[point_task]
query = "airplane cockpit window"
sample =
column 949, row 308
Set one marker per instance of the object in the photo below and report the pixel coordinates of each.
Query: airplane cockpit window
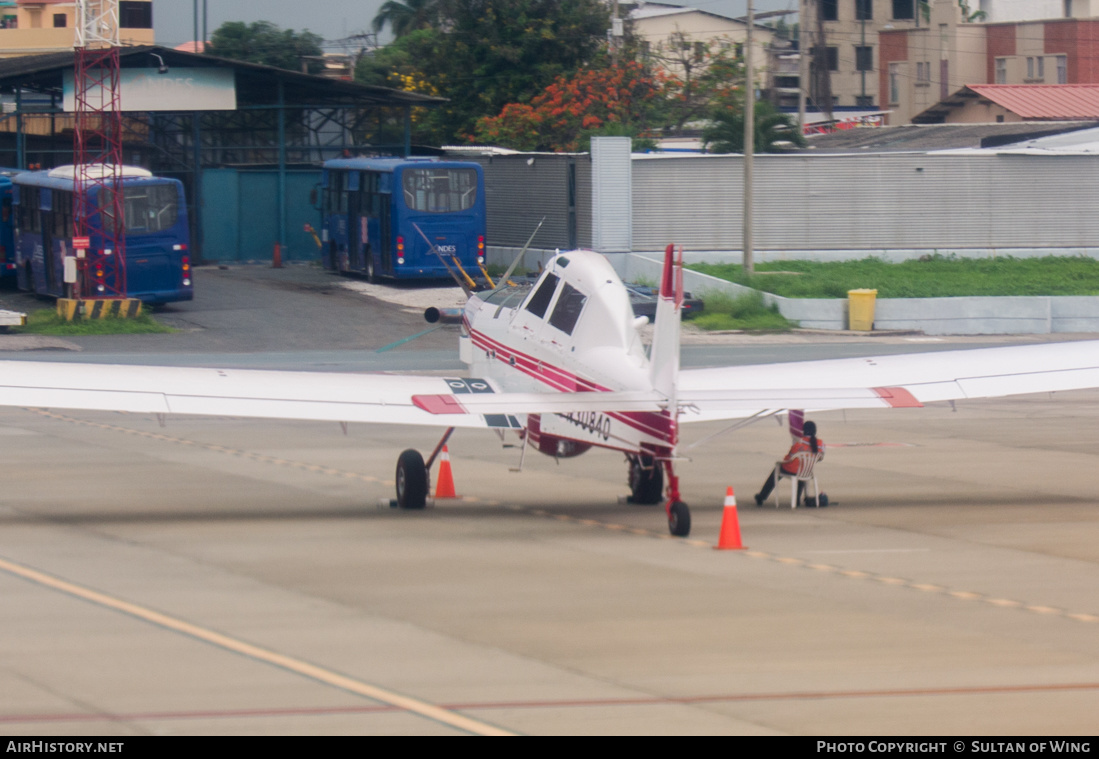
column 540, row 301
column 569, row 305
column 508, row 295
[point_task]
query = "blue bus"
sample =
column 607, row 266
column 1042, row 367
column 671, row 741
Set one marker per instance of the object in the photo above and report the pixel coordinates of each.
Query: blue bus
column 374, row 206
column 7, row 227
column 158, row 257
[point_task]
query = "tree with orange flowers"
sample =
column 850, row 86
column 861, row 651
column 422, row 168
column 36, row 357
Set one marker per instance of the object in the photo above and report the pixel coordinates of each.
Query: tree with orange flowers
column 622, row 100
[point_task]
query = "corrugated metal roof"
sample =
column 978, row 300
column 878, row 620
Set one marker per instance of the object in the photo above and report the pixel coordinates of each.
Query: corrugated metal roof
column 928, row 137
column 256, row 83
column 1044, row 101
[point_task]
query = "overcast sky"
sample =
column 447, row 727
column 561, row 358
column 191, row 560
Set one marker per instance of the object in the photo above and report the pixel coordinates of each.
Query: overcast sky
column 335, row 19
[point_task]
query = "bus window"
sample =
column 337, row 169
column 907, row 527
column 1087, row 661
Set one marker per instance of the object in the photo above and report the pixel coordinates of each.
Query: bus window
column 440, row 190
column 569, row 305
column 28, row 210
column 146, row 209
column 540, row 301
column 62, row 216
column 336, row 198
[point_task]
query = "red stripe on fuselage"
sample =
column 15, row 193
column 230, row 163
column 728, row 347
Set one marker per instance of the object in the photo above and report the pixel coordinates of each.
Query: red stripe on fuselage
column 657, row 424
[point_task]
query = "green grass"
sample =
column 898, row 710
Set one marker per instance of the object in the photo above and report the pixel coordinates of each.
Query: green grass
column 930, row 277
column 47, row 322
column 745, row 312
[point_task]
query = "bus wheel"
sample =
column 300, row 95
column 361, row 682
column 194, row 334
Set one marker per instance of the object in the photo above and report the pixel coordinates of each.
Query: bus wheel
column 411, row 480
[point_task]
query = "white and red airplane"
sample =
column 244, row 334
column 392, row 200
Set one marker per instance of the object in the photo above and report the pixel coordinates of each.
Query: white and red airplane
column 563, row 364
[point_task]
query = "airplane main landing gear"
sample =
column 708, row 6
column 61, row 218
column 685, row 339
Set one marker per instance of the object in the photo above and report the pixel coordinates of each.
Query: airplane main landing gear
column 646, row 480
column 411, row 480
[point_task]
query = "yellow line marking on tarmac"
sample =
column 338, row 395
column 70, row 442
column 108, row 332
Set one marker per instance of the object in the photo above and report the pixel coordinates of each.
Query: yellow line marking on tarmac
column 1083, row 617
column 962, row 595
column 259, row 457
column 854, row 574
column 965, row 595
column 311, row 671
column 1043, row 610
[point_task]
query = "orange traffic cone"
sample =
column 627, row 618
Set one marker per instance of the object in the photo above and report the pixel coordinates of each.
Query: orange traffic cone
column 730, row 525
column 276, row 257
column 444, row 487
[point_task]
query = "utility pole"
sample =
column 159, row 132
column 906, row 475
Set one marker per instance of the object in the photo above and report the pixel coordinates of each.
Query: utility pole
column 749, row 143
column 615, row 32
column 97, row 148
column 803, row 62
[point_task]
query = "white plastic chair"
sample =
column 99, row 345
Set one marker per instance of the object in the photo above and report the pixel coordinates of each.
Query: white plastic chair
column 805, row 460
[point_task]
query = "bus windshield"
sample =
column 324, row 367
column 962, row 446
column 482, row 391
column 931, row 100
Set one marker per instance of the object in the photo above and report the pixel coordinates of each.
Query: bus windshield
column 147, row 209
column 440, row 190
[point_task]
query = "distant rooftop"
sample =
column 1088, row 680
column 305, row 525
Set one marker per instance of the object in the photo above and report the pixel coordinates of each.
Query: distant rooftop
column 1044, row 101
column 925, row 137
column 656, row 10
column 1034, row 102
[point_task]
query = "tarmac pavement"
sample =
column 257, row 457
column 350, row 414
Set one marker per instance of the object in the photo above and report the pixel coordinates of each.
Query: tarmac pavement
column 225, row 576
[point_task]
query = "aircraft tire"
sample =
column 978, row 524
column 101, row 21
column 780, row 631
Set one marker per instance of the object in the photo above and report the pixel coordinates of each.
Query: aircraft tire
column 679, row 520
column 411, row 480
column 646, row 480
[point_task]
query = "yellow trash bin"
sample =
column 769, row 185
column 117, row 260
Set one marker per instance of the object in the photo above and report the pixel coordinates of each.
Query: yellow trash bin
column 860, row 309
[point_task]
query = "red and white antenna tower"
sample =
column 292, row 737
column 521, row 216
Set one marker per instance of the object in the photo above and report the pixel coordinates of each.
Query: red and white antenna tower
column 97, row 147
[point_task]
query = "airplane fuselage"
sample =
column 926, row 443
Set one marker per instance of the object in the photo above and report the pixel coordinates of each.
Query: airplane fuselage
column 573, row 331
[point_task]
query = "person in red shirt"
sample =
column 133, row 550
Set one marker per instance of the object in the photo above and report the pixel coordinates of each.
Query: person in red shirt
column 807, row 442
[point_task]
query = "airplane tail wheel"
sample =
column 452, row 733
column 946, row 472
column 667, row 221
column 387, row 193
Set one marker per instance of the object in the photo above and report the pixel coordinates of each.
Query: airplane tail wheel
column 411, row 480
column 679, row 520
column 646, row 480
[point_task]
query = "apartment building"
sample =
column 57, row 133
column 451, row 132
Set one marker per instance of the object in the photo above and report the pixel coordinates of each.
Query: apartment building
column 32, row 27
column 923, row 70
column 677, row 36
column 843, row 38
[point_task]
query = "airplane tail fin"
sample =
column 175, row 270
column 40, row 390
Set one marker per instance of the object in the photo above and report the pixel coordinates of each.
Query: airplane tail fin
column 664, row 355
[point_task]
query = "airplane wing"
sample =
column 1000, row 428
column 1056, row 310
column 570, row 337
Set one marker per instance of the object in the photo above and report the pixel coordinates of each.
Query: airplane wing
column 339, row 397
column 887, row 381
column 703, row 394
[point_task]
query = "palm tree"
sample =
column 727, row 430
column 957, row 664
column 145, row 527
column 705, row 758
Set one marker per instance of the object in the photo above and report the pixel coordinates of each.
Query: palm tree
column 726, row 132
column 407, row 16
